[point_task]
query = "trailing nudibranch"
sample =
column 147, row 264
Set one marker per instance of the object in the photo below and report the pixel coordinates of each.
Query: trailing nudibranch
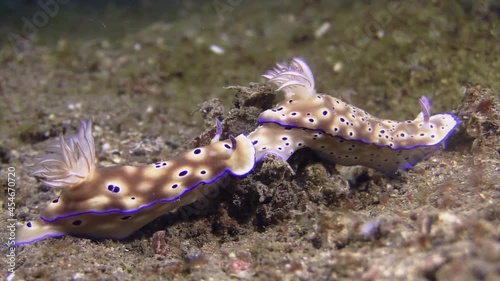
column 342, row 132
column 113, row 202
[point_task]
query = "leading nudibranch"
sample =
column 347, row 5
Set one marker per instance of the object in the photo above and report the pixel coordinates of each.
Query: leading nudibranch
column 341, row 132
column 113, row 202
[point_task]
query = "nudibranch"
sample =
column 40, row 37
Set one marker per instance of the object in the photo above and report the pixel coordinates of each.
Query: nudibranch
column 113, row 202
column 340, row 132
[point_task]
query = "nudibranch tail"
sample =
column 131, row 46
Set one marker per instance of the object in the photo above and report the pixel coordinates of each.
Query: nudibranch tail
column 67, row 162
column 116, row 201
column 35, row 231
column 295, row 79
column 349, row 135
column 274, row 139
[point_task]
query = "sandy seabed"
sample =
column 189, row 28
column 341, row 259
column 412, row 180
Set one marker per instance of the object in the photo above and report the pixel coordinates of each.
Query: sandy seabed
column 152, row 79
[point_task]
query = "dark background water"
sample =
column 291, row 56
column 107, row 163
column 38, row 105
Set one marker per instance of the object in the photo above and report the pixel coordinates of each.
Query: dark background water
column 8, row 7
column 86, row 19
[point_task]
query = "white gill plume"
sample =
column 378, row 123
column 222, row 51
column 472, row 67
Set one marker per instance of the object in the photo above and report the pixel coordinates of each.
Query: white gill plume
column 67, row 161
column 295, row 79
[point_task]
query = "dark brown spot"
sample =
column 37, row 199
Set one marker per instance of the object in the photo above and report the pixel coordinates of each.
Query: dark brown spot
column 484, row 107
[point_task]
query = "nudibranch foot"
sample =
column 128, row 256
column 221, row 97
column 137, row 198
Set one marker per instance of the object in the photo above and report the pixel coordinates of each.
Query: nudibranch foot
column 113, row 202
column 344, row 133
